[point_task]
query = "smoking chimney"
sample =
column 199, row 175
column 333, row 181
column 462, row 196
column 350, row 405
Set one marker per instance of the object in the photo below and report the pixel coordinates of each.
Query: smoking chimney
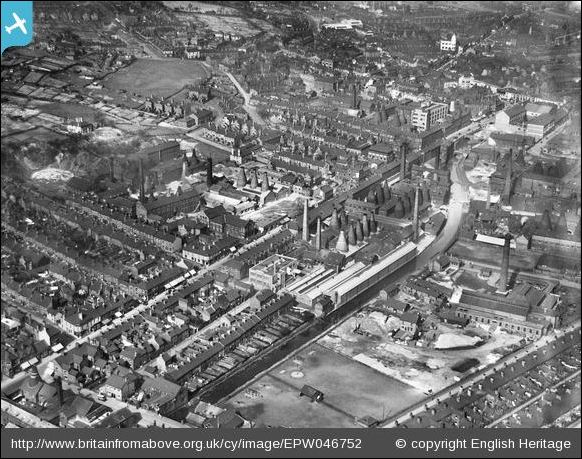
column 209, row 175
column 403, row 153
column 141, row 181
column 504, row 276
column 305, row 224
column 342, row 243
column 318, row 235
column 416, row 210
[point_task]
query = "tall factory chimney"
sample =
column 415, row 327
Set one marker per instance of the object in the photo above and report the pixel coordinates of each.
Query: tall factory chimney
column 403, row 153
column 305, row 221
column 318, row 234
column 209, row 173
column 507, row 188
column 141, row 181
column 488, row 203
column 416, row 210
column 504, row 275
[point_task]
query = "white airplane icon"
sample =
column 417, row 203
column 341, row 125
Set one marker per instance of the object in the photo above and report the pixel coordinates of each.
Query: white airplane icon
column 19, row 24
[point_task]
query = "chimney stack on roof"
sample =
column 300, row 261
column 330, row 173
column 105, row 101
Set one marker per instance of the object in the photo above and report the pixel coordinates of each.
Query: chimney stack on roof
column 416, row 211
column 504, row 275
column 318, row 234
column 305, row 228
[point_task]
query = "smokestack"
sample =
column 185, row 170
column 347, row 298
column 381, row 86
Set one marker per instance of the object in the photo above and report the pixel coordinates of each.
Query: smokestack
column 488, row 203
column 365, row 226
column 209, row 175
column 342, row 243
column 318, row 235
column 305, row 224
column 504, row 275
column 437, row 159
column 416, row 210
column 403, row 153
column 141, row 181
column 352, row 235
column 355, row 100
column 507, row 188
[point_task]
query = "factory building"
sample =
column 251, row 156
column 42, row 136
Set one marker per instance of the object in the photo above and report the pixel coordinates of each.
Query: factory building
column 273, row 273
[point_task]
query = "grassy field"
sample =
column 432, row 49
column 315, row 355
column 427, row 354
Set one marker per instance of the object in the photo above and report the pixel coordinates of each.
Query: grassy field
column 350, row 389
column 69, row 110
column 161, row 77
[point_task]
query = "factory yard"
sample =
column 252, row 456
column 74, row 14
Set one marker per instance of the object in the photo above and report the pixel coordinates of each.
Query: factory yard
column 486, row 254
column 351, row 390
column 424, row 368
column 161, row 77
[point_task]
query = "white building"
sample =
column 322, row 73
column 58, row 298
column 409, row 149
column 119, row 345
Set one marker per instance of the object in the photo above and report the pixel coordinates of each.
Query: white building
column 450, row 44
column 424, row 118
column 466, row 82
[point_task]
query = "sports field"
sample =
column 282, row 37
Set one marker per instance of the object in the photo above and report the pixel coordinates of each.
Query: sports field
column 160, row 77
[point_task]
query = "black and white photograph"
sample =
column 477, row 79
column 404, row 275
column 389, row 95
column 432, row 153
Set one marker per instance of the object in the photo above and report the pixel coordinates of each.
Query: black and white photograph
column 334, row 222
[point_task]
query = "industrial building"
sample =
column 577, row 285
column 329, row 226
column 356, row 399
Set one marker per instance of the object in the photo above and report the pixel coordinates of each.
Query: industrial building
column 273, row 272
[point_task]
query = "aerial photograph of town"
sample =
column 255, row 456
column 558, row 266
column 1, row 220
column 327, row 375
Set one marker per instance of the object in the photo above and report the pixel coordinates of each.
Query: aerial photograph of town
column 300, row 214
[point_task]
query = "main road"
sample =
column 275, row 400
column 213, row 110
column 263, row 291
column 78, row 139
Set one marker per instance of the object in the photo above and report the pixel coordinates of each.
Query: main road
column 250, row 109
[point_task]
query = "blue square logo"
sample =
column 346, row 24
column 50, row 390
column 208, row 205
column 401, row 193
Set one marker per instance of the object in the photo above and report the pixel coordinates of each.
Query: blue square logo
column 17, row 24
